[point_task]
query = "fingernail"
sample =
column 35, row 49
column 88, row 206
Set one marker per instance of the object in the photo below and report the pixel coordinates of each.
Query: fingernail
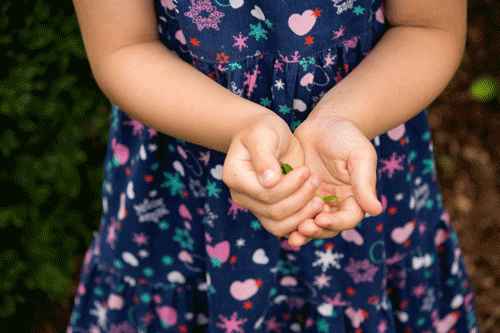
column 315, row 181
column 269, row 176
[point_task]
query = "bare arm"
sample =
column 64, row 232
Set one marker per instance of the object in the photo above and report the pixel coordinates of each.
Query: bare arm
column 150, row 83
column 407, row 69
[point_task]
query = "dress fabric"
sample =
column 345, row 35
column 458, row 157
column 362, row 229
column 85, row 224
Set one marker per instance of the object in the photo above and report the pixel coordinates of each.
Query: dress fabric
column 174, row 253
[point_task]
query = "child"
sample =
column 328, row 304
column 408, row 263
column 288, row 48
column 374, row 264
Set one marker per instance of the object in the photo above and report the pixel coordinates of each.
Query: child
column 202, row 233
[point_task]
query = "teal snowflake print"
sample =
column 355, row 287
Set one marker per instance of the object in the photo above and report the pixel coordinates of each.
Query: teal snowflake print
column 268, row 23
column 163, row 225
column 429, row 165
column 305, row 62
column 284, row 109
column 258, row 31
column 183, row 238
column 212, row 189
column 358, row 10
column 148, row 271
column 322, row 325
column 266, row 102
column 215, row 262
column 173, row 183
column 255, row 225
column 167, row 260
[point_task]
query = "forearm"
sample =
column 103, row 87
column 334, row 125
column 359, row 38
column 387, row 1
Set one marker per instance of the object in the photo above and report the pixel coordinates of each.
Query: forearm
column 407, row 69
column 162, row 91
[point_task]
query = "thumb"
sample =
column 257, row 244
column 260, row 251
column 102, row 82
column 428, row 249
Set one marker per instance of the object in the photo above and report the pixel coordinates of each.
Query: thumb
column 262, row 150
column 363, row 169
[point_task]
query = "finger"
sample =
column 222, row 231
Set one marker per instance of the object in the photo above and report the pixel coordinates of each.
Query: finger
column 285, row 227
column 310, row 229
column 363, row 179
column 293, row 205
column 289, row 184
column 297, row 239
column 262, row 146
column 349, row 214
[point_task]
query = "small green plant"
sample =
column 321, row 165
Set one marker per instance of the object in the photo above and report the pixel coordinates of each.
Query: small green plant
column 286, row 168
column 483, row 88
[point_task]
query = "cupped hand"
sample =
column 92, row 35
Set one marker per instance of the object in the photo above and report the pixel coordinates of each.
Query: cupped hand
column 337, row 150
column 253, row 175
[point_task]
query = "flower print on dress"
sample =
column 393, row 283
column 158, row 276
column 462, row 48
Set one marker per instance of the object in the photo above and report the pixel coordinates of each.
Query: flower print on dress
column 356, row 267
column 210, row 21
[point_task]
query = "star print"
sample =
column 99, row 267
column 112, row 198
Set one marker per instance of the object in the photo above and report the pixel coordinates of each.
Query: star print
column 255, row 225
column 316, row 13
column 240, row 41
column 240, row 242
column 358, row 10
column 265, row 102
column 152, row 147
column 327, row 259
column 309, row 40
column 213, row 190
column 279, row 84
column 391, row 165
column 322, row 281
column 284, row 109
column 258, row 31
column 231, row 325
column 419, row 290
column 329, row 60
column 204, row 157
column 222, row 57
column 194, row 41
column 175, row 185
column 278, row 65
column 140, row 239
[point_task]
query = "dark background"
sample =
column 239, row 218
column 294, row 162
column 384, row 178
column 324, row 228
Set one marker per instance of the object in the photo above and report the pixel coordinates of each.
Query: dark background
column 54, row 122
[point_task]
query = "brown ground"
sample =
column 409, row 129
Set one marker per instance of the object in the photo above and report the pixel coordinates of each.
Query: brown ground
column 467, row 133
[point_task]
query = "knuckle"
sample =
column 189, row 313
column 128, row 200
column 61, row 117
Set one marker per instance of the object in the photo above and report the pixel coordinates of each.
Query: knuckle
column 265, row 196
column 277, row 212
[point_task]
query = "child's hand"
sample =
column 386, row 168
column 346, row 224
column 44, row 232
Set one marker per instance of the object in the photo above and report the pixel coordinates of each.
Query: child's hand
column 346, row 160
column 253, row 174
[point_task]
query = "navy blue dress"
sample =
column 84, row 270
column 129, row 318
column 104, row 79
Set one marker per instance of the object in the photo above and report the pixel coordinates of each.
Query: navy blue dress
column 174, row 253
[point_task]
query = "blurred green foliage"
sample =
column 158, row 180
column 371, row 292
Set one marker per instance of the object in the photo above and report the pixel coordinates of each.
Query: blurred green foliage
column 54, row 126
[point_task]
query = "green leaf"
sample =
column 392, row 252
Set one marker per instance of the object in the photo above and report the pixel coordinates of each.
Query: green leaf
column 65, row 83
column 51, row 280
column 41, row 10
column 41, row 37
column 9, row 142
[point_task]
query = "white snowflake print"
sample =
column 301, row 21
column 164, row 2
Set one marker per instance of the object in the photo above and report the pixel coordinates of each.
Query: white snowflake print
column 327, row 258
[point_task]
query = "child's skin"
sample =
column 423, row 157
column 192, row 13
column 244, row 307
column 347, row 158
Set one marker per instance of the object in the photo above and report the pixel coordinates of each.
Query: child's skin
column 407, row 69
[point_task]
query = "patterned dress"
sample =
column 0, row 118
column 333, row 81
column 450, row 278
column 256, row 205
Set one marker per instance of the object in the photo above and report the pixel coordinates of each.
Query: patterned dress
column 174, row 253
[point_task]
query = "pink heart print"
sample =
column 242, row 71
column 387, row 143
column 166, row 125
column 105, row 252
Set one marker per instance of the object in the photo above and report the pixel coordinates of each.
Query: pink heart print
column 302, row 24
column 219, row 251
column 356, row 317
column 401, row 234
column 167, row 314
column 243, row 290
